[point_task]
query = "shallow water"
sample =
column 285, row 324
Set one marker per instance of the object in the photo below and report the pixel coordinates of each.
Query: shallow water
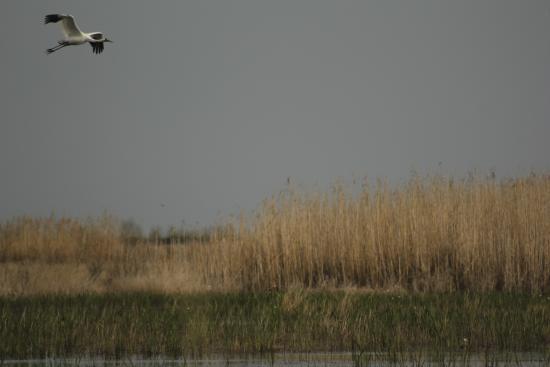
column 300, row 360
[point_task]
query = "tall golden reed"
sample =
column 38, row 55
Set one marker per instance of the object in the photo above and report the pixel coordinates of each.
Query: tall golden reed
column 431, row 234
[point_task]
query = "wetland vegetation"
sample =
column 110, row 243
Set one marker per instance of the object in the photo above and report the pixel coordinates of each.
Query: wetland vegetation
column 435, row 264
column 428, row 235
column 117, row 325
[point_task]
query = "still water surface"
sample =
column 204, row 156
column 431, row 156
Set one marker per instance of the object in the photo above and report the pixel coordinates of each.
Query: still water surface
column 299, row 360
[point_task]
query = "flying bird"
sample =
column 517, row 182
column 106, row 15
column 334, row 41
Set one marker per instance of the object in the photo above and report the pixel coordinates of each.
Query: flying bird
column 73, row 35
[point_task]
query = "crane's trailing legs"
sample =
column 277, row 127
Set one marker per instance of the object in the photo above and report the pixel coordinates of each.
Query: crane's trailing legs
column 58, row 47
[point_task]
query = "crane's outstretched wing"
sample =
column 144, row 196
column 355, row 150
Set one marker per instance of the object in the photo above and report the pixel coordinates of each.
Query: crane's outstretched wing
column 97, row 47
column 68, row 25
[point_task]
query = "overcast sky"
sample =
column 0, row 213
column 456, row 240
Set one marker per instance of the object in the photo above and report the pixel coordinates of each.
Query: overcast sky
column 208, row 106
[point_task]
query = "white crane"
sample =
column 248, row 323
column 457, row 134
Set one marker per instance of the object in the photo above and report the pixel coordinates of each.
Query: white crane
column 73, row 35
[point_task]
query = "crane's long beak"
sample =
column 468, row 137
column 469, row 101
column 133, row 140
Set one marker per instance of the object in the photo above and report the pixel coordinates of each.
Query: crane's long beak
column 108, row 40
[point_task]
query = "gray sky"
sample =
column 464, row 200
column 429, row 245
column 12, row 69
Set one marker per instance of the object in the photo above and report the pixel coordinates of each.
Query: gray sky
column 208, row 106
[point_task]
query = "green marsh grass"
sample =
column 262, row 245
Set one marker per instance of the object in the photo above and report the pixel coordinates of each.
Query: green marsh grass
column 191, row 325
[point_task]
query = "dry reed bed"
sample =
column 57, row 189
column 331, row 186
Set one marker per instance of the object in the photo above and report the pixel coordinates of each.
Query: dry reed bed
column 431, row 234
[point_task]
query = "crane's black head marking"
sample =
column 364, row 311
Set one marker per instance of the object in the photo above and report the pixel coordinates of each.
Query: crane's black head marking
column 97, row 36
column 52, row 18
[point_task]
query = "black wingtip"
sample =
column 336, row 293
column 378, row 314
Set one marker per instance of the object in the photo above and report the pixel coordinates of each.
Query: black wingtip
column 97, row 47
column 52, row 18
